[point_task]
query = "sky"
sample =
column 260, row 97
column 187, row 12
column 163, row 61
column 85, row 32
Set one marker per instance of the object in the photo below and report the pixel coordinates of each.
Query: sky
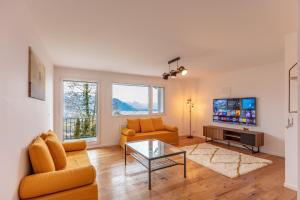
column 131, row 93
column 127, row 93
column 79, row 88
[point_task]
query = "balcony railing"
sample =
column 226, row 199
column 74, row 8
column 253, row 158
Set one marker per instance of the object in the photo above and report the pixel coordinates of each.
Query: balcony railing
column 79, row 128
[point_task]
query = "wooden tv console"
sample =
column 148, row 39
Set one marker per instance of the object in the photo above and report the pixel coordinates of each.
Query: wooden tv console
column 249, row 139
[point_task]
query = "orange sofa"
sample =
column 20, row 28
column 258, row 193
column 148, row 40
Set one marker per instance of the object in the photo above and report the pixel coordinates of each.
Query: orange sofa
column 151, row 128
column 60, row 171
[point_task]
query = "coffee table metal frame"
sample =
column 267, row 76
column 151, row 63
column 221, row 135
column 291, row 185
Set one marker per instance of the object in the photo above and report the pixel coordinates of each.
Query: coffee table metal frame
column 157, row 163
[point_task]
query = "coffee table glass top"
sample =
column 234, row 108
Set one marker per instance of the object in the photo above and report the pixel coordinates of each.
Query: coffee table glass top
column 152, row 149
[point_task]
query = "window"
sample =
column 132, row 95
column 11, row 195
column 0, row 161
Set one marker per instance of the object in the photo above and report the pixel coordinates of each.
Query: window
column 130, row 99
column 80, row 110
column 136, row 99
column 157, row 99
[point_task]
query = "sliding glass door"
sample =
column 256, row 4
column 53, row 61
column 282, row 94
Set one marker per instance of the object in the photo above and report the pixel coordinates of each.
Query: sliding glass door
column 80, row 110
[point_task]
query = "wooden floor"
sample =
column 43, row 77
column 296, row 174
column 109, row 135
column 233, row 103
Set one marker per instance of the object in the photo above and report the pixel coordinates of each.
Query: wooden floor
column 131, row 182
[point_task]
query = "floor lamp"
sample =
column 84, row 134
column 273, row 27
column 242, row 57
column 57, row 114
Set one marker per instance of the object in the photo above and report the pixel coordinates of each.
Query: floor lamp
column 191, row 105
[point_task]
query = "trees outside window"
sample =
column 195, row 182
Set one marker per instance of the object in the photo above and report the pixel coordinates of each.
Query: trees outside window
column 80, row 110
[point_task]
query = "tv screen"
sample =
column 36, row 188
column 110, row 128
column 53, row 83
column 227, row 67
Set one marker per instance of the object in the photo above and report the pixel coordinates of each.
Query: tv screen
column 235, row 110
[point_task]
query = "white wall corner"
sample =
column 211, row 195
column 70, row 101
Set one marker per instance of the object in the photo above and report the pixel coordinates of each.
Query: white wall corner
column 290, row 186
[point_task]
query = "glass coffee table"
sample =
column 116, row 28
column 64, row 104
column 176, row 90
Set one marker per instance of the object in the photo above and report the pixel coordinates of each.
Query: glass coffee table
column 154, row 155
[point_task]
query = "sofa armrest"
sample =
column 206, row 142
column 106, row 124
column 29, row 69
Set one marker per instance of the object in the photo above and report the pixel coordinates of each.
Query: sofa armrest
column 128, row 132
column 51, row 182
column 74, row 145
column 171, row 128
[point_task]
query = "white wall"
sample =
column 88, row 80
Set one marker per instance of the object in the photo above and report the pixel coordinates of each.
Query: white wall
column 21, row 118
column 191, row 90
column 110, row 125
column 297, row 148
column 291, row 155
column 266, row 83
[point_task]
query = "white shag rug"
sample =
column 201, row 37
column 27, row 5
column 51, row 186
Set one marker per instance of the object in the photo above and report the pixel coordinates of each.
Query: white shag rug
column 227, row 162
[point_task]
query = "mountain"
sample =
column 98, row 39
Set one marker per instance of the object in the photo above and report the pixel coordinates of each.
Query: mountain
column 73, row 103
column 138, row 106
column 120, row 105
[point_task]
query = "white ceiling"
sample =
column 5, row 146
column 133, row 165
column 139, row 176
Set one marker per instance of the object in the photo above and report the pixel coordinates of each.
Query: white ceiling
column 139, row 36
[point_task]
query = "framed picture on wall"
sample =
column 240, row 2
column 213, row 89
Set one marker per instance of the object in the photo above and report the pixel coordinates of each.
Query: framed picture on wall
column 36, row 77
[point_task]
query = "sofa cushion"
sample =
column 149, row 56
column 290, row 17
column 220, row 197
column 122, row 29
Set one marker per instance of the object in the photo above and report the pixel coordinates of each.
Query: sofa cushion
column 146, row 125
column 57, row 152
column 127, row 131
column 48, row 183
column 49, row 132
column 40, row 157
column 77, row 159
column 171, row 128
column 76, row 145
column 158, row 124
column 165, row 136
column 134, row 124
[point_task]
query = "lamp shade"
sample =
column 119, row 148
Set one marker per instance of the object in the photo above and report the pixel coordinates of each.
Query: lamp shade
column 165, row 76
column 182, row 70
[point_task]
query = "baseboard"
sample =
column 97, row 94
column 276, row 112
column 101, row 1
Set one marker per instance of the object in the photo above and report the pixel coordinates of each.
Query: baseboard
column 290, row 186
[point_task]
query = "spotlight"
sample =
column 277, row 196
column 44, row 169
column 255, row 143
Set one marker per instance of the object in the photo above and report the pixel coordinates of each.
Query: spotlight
column 182, row 70
column 173, row 73
column 165, row 76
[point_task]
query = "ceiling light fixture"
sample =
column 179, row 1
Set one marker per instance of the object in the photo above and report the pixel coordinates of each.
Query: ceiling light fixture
column 165, row 76
column 173, row 73
column 182, row 70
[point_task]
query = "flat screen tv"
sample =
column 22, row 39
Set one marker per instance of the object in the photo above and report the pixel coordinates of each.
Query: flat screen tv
column 235, row 111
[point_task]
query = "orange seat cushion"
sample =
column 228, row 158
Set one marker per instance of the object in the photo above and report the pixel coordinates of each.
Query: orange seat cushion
column 57, row 152
column 134, row 124
column 77, row 159
column 76, row 145
column 146, row 125
column 38, row 185
column 127, row 131
column 165, row 136
column 158, row 124
column 40, row 157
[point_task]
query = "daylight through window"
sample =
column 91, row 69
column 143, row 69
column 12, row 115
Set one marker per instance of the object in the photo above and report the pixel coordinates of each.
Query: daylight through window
column 80, row 110
column 135, row 99
column 157, row 99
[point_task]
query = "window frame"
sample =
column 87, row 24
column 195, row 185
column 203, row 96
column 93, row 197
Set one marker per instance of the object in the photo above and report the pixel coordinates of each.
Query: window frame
column 164, row 100
column 98, row 102
column 150, row 99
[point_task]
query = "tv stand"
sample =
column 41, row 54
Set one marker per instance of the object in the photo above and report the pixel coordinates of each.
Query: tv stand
column 251, row 140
